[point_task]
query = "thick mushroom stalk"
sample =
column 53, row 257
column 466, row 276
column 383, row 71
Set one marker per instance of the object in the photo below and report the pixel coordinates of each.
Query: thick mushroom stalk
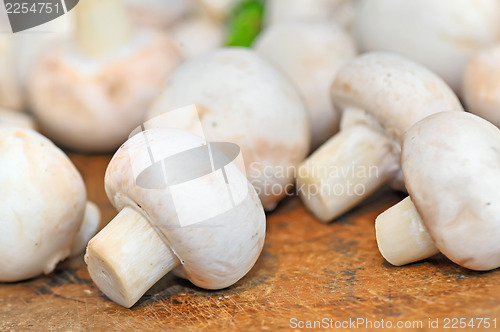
column 450, row 166
column 401, row 235
column 128, row 257
column 101, row 26
column 183, row 203
column 381, row 96
column 343, row 172
column 88, row 228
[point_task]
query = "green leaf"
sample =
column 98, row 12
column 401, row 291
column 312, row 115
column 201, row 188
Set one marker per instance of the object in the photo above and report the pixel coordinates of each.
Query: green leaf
column 245, row 23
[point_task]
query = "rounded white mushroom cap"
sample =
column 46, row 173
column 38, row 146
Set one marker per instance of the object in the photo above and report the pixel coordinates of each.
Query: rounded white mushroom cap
column 246, row 101
column 451, row 163
column 481, row 84
column 441, row 35
column 392, row 93
column 92, row 104
column 43, row 202
column 310, row 54
column 216, row 245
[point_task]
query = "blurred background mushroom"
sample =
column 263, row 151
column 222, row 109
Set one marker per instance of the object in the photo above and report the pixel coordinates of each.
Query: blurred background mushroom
column 440, row 35
column 88, row 93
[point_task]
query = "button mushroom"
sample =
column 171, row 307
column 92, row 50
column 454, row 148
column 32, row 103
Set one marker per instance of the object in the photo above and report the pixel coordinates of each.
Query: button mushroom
column 43, row 205
column 310, row 54
column 246, row 101
column 183, row 204
column 481, row 90
column 450, row 163
column 440, row 35
column 381, row 96
column 88, row 95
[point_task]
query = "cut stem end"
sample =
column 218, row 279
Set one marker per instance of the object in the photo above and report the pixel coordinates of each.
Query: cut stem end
column 128, row 257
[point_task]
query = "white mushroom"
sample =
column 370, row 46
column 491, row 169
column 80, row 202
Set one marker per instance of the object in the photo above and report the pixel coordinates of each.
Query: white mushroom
column 310, row 54
column 450, row 164
column 89, row 95
column 481, row 84
column 183, row 204
column 440, row 35
column 244, row 100
column 381, row 96
column 43, row 204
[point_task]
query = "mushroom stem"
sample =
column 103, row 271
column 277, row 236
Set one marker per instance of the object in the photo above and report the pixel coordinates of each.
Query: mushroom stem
column 344, row 171
column 101, row 26
column 401, row 235
column 128, row 257
column 88, row 228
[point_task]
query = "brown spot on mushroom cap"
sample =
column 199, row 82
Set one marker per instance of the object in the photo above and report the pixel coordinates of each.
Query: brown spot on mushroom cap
column 451, row 163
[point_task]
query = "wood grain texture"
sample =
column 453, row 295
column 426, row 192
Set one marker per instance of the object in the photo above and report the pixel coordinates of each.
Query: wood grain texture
column 307, row 270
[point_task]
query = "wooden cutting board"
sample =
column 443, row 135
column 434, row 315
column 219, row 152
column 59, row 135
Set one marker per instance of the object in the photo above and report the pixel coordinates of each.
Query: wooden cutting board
column 309, row 274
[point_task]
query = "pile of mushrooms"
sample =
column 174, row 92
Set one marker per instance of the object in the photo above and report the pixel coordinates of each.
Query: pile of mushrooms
column 185, row 205
column 441, row 156
column 89, row 94
column 44, row 214
column 381, row 95
column 191, row 183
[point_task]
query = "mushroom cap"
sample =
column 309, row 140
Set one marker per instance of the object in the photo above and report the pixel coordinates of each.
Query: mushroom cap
column 246, row 101
column 223, row 243
column 93, row 104
column 440, row 35
column 451, row 163
column 395, row 91
column 310, row 54
column 481, row 84
column 43, row 201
